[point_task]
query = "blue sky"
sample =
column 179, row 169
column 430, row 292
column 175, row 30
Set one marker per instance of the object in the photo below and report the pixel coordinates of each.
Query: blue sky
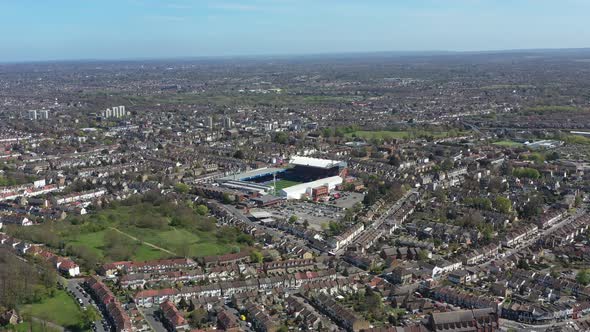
column 119, row 29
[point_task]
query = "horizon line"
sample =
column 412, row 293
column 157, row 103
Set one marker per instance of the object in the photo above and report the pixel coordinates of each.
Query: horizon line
column 262, row 56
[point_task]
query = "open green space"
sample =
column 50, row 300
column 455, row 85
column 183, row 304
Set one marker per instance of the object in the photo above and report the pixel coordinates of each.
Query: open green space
column 282, row 184
column 32, row 326
column 96, row 241
column 60, row 309
column 410, row 134
column 508, row 144
column 138, row 229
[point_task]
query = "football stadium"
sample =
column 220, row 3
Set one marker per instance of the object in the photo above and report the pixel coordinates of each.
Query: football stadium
column 304, row 177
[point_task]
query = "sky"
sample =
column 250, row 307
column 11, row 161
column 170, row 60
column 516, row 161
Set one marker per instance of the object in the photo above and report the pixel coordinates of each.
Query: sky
column 39, row 30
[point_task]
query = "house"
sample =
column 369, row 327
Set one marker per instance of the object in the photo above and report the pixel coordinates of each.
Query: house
column 68, row 267
column 172, row 318
column 474, row 320
column 400, row 275
column 227, row 321
column 9, row 317
column 343, row 316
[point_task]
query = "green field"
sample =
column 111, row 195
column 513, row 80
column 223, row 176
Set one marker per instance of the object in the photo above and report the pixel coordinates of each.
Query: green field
column 388, row 134
column 96, row 242
column 33, row 326
column 137, row 230
column 60, row 309
column 282, row 184
column 199, row 243
column 508, row 144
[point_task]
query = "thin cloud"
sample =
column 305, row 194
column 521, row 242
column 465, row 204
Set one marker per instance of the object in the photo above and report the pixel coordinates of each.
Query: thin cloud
column 236, row 7
column 165, row 18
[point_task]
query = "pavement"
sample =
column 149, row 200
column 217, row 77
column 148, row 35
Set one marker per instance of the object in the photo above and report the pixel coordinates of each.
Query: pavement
column 74, row 286
column 150, row 316
column 506, row 325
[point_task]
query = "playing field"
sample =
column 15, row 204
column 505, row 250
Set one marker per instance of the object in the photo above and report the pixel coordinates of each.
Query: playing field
column 508, row 144
column 282, row 184
column 60, row 309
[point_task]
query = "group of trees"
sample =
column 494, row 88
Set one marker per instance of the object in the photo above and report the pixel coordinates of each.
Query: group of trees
column 526, row 172
column 22, row 282
column 499, row 203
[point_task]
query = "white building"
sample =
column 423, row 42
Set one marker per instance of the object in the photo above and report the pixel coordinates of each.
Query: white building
column 297, row 191
column 33, row 115
column 43, row 115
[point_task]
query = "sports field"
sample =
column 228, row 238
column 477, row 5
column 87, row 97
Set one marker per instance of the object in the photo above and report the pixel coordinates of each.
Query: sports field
column 282, row 184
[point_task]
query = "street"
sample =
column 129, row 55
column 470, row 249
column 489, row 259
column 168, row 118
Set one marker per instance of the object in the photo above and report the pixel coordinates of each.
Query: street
column 150, row 316
column 74, row 287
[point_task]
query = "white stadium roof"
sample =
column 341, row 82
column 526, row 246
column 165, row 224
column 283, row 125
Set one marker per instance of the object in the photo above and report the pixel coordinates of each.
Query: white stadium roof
column 314, row 162
column 296, row 191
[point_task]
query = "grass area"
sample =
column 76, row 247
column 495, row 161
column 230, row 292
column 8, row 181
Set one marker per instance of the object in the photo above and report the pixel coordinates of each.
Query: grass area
column 32, row 326
column 388, row 134
column 282, row 184
column 60, row 309
column 138, row 229
column 199, row 243
column 95, row 241
column 508, row 144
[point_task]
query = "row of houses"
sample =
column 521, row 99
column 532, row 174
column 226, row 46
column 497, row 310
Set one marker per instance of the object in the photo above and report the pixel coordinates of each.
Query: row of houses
column 338, row 313
column 340, row 241
column 110, row 270
column 566, row 234
column 230, row 288
column 519, row 235
column 63, row 265
column 109, row 304
column 462, row 299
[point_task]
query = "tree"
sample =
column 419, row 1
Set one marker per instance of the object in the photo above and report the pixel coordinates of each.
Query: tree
column 182, row 304
column 181, row 188
column 281, row 138
column 89, row 316
column 226, row 199
column 583, row 277
column 198, row 317
column 447, row 165
column 527, row 173
column 305, row 223
column 202, row 210
column 293, row 219
column 395, row 161
column 256, row 257
column 239, row 154
column 502, row 204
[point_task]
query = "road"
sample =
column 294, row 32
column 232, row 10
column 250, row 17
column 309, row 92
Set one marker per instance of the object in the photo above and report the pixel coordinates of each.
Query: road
column 150, row 316
column 506, row 325
column 74, row 287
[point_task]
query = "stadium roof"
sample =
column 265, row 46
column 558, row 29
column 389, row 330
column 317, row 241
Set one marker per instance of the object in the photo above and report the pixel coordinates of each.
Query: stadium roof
column 297, row 190
column 250, row 175
column 315, row 162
